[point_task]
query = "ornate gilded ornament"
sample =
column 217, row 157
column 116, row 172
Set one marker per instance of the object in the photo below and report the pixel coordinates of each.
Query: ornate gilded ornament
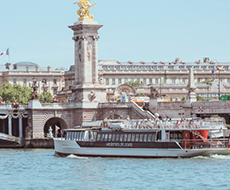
column 84, row 12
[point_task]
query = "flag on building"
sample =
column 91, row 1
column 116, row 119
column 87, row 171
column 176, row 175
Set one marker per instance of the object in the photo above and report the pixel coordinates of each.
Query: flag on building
column 5, row 52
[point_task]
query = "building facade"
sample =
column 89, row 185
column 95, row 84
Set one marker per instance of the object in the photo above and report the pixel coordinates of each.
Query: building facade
column 171, row 78
column 49, row 79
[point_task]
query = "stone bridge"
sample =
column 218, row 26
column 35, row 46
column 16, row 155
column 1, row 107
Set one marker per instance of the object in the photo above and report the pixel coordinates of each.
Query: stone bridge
column 200, row 109
column 63, row 116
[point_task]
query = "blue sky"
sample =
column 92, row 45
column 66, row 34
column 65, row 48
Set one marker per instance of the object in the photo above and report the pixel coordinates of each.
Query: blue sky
column 148, row 30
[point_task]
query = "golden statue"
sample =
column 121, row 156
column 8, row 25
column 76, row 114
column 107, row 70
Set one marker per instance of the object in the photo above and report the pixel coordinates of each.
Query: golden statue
column 84, row 12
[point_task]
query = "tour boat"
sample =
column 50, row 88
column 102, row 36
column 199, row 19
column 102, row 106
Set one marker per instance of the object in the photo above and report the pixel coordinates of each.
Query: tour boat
column 146, row 139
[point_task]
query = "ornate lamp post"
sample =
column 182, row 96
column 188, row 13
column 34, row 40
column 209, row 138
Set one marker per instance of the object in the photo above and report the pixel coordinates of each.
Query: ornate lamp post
column 34, row 87
column 218, row 68
column 44, row 82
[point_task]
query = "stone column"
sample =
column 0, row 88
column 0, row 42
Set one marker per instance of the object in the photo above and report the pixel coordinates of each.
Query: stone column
column 20, row 126
column 95, row 60
column 191, row 96
column 85, row 37
column 10, row 123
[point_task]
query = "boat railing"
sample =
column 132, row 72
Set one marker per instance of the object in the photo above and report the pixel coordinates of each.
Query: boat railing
column 162, row 124
column 202, row 143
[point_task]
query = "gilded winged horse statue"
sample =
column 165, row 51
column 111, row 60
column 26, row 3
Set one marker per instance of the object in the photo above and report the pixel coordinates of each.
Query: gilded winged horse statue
column 84, row 12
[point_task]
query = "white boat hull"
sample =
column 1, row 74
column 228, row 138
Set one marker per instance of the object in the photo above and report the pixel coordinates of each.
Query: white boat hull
column 68, row 147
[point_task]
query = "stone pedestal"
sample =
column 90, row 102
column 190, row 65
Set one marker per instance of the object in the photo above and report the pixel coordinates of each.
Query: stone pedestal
column 191, row 96
column 34, row 104
column 87, row 92
column 86, row 59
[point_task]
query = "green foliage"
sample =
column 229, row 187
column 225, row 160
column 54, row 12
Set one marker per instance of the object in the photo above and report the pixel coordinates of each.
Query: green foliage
column 136, row 83
column 17, row 92
column 20, row 93
column 207, row 80
column 199, row 99
column 215, row 116
column 118, row 100
column 183, row 99
column 48, row 97
column 140, row 95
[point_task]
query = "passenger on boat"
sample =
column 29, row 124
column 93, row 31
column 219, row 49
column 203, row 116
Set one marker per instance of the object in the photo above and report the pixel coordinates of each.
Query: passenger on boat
column 137, row 124
column 152, row 122
column 148, row 124
column 142, row 125
column 128, row 122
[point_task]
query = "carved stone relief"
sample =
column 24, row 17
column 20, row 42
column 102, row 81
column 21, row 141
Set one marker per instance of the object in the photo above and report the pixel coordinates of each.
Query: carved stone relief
column 91, row 96
column 89, row 50
column 77, row 96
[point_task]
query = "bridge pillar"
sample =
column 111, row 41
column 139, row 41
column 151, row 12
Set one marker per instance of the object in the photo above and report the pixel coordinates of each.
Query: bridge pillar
column 87, row 91
column 10, row 124
column 20, row 126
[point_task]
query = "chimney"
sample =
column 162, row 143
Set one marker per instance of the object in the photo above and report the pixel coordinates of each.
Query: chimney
column 8, row 66
column 48, row 68
column 37, row 68
column 206, row 60
column 177, row 60
column 27, row 68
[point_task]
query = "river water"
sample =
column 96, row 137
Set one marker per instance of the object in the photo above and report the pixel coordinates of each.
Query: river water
column 42, row 169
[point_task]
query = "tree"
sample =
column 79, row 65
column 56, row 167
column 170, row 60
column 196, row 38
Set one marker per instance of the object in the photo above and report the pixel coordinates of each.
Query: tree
column 136, row 83
column 183, row 99
column 17, row 92
column 199, row 99
column 48, row 97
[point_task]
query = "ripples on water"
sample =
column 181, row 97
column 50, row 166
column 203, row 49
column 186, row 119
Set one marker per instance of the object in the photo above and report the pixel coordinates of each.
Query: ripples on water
column 41, row 169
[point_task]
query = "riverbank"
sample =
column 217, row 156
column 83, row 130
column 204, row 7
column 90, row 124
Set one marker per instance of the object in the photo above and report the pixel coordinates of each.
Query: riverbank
column 30, row 143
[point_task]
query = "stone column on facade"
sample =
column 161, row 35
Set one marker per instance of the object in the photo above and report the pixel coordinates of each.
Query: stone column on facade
column 20, row 126
column 10, row 123
column 95, row 60
column 191, row 96
column 85, row 37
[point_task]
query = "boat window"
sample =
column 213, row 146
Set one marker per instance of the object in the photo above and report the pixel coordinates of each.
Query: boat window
column 117, row 137
column 67, row 136
column 145, row 137
column 137, row 138
column 175, row 136
column 92, row 135
column 110, row 137
column 133, row 137
column 106, row 137
column 113, row 137
column 149, row 137
column 82, row 133
column 75, row 135
column 125, row 137
column 171, row 135
column 154, row 137
column 86, row 136
column 121, row 137
column 129, row 138
column 102, row 137
column 72, row 135
column 141, row 137
column 98, row 137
